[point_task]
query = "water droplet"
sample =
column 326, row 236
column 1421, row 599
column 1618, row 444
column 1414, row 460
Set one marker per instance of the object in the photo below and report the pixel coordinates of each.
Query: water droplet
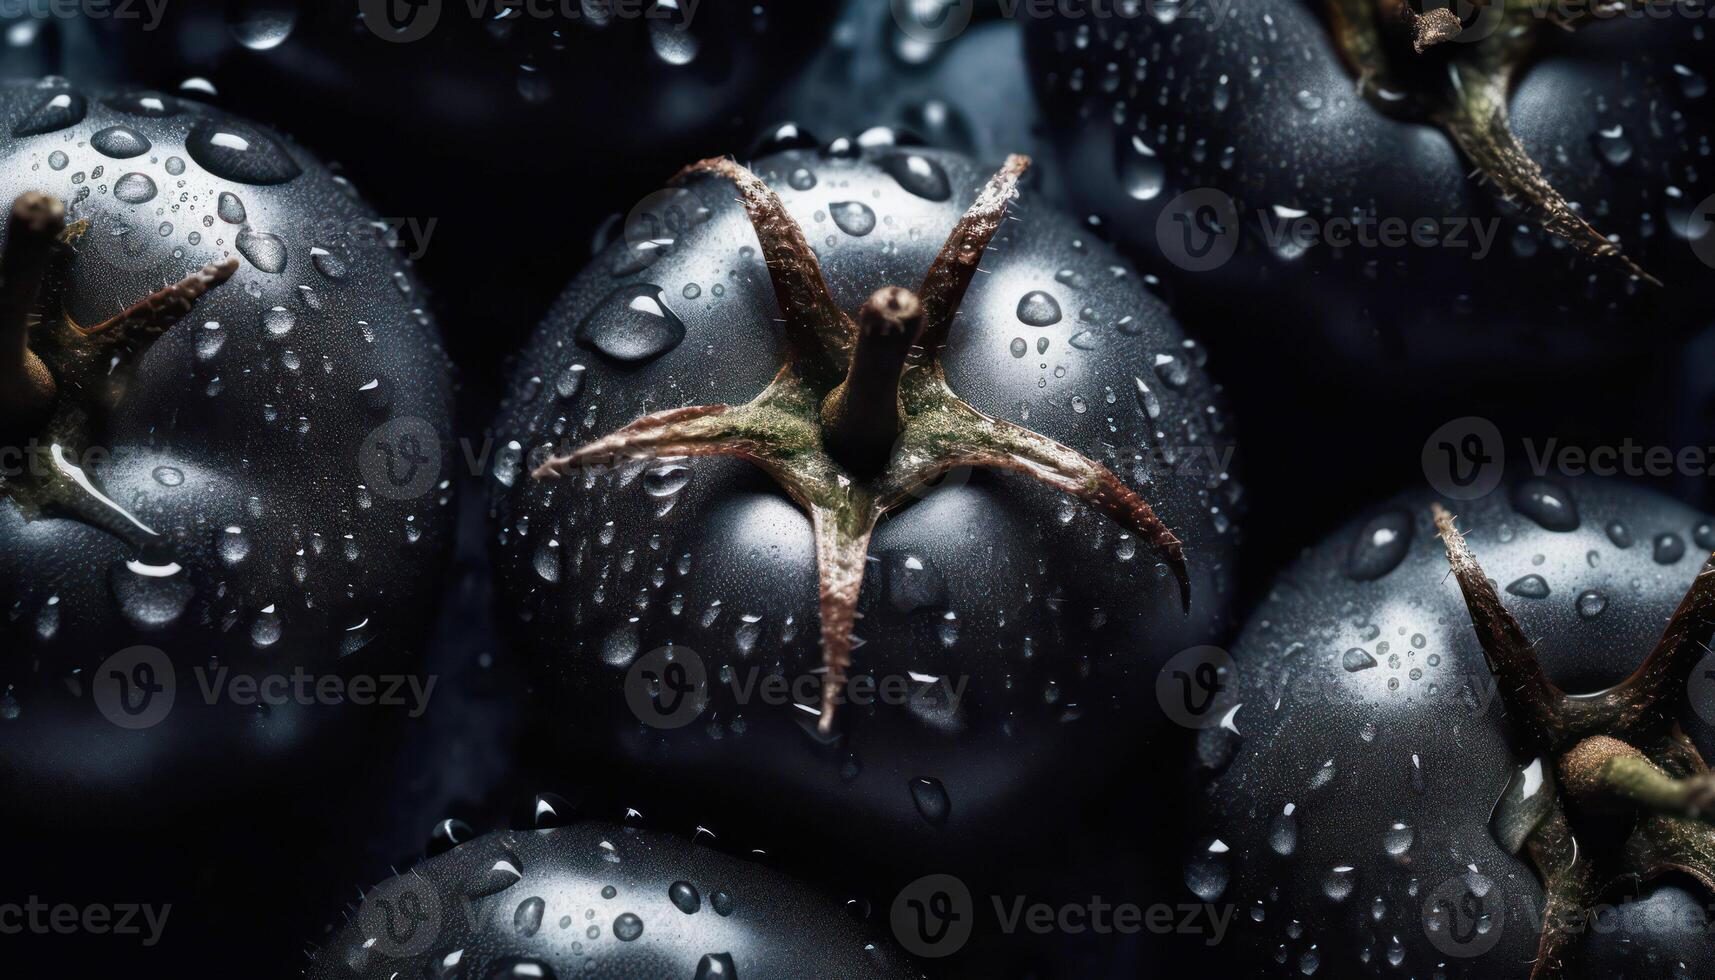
column 120, row 142
column 1669, row 548
column 801, row 179
column 853, row 217
column 151, row 596
column 529, row 917
column 1397, row 839
column 1528, row 799
column 239, row 152
column 627, row 927
column 1283, row 831
column 914, row 582
column 919, row 175
column 1357, row 659
column 328, row 263
column 278, row 322
column 1530, row 587
column 684, row 897
column 1613, row 146
column 722, row 902
column 1207, row 872
column 230, row 208
column 632, row 324
column 266, row 252
column 716, row 966
column 670, row 35
column 56, row 112
column 1619, row 534
column 1147, row 399
column 152, row 105
column 1380, row 546
column 1690, row 82
column 1141, row 171
column 1338, row 883
column 134, row 188
column 1038, row 309
column 1173, row 371
column 1547, row 504
column 262, row 25
column 1591, row 603
column 930, row 797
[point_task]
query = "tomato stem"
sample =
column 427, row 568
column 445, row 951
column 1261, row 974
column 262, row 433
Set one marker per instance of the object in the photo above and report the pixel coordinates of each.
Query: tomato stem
column 27, row 388
column 862, row 417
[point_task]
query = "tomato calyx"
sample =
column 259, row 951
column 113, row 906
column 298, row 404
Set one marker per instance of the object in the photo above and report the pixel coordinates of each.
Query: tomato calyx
column 59, row 379
column 1616, row 752
column 1456, row 75
column 860, row 420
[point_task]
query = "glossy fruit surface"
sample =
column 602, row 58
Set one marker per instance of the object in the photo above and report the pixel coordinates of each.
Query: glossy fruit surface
column 1351, row 805
column 1014, row 626
column 252, row 482
column 1260, row 102
column 600, row 900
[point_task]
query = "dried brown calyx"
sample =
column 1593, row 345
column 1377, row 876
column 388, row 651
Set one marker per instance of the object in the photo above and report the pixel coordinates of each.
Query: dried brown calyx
column 59, row 379
column 860, row 418
column 1457, row 75
column 1615, row 751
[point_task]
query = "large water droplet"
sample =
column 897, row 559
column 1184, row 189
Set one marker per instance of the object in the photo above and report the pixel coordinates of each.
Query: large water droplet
column 56, row 112
column 1038, row 309
column 262, row 25
column 670, row 33
column 853, row 217
column 240, row 152
column 151, row 596
column 931, row 800
column 1531, row 586
column 716, row 966
column 632, row 324
column 230, row 208
column 919, row 175
column 1547, row 504
column 134, row 188
column 120, row 142
column 266, row 252
column 1141, row 171
column 1380, row 546
column 684, row 897
column 1529, row 799
column 627, row 927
